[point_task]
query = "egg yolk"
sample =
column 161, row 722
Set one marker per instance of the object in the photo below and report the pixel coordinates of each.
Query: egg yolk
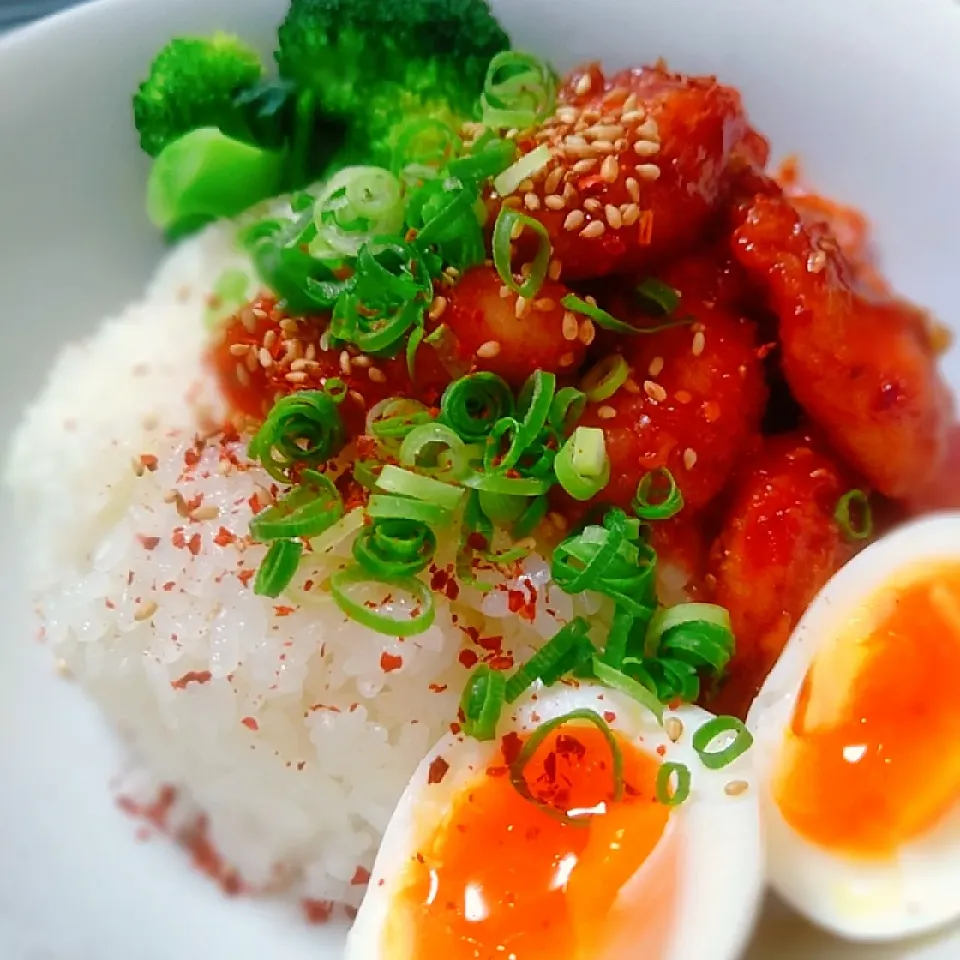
column 872, row 756
column 502, row 878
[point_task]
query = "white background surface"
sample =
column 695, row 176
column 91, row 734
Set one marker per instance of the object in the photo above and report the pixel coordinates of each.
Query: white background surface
column 868, row 90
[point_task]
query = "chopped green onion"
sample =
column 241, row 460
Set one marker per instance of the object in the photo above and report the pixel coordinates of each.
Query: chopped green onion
column 527, row 166
column 503, row 508
column 473, row 404
column 551, row 661
column 489, row 156
column 673, row 784
column 536, row 399
column 664, row 298
column 395, row 548
column 388, row 507
column 854, row 515
column 609, row 322
column 582, row 465
column 670, row 680
column 519, row 90
column 483, row 700
column 435, row 440
column 508, row 220
column 530, row 519
column 424, row 147
column 306, row 511
column 303, row 429
column 394, row 419
column 567, row 408
column 367, row 615
column 355, row 206
column 617, row 680
column 611, row 560
column 533, row 743
column 506, row 486
column 406, row 483
column 699, row 634
column 604, row 379
column 278, row 568
column 666, row 505
column 712, row 731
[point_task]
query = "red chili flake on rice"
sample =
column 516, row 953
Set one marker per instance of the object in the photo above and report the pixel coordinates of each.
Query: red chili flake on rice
column 390, row 662
column 250, row 723
column 224, row 537
column 194, row 676
column 284, row 611
column 468, row 659
column 149, row 461
column 510, row 747
column 361, row 877
column 148, row 543
column 437, row 687
column 438, row 770
column 609, row 716
column 195, row 544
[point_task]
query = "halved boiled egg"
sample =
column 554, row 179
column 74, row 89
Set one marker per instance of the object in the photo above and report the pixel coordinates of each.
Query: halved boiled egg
column 858, row 742
column 559, row 840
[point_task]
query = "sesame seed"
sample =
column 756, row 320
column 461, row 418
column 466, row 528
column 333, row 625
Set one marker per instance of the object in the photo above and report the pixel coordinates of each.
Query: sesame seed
column 253, row 360
column 511, row 201
column 207, row 512
column 525, row 185
column 62, row 667
column 604, row 146
column 145, row 611
column 554, row 270
column 606, row 131
column 270, row 339
column 736, row 788
column 610, row 169
column 583, row 85
column 591, row 300
column 363, row 361
column 654, row 391
column 593, row 205
column 575, row 220
column 631, row 115
column 689, row 458
column 699, row 343
column 297, row 376
column 613, row 216
column 489, row 350
column 567, row 360
column 301, row 363
column 544, row 304
column 453, row 273
column 631, row 386
column 570, row 326
column 606, row 412
column 377, row 375
column 673, row 727
column 630, row 214
column 437, row 308
column 288, row 325
column 648, row 130
column 505, row 292
column 553, row 180
column 585, row 166
column 555, row 202
column 239, row 349
column 568, row 114
column 647, row 171
column 569, row 193
column 588, row 332
column 576, row 144
column 630, row 103
column 633, row 188
column 593, row 230
column 656, row 367
column 266, row 360
column 243, row 377
column 532, row 202
column 557, row 520
column 646, row 148
column 357, row 397
column 522, row 308
column 248, row 320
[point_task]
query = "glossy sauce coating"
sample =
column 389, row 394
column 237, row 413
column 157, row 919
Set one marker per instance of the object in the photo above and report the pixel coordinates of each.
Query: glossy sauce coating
column 500, row 877
column 870, row 760
column 779, row 544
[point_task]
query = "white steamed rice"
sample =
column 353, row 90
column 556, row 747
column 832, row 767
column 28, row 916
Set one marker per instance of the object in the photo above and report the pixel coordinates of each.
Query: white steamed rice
column 299, row 744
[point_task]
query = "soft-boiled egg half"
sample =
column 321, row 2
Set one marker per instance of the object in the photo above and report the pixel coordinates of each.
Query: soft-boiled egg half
column 858, row 743
column 576, row 869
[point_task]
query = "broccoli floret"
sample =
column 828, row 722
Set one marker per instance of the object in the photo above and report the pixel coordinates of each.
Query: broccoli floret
column 193, row 83
column 381, row 63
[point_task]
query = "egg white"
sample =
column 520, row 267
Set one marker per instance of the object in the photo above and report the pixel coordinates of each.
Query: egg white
column 918, row 888
column 720, row 856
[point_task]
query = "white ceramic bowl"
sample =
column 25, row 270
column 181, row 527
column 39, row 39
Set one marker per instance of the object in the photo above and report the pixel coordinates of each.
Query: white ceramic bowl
column 867, row 90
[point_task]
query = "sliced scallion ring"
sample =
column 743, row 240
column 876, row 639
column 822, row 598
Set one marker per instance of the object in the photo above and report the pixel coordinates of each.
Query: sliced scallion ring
column 582, row 465
column 604, row 379
column 509, row 221
column 673, row 784
column 854, row 515
column 278, row 568
column 617, row 680
column 713, row 730
column 651, row 503
column 483, row 700
column 344, row 582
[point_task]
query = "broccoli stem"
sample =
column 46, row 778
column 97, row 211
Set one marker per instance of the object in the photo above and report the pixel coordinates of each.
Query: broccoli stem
column 205, row 175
